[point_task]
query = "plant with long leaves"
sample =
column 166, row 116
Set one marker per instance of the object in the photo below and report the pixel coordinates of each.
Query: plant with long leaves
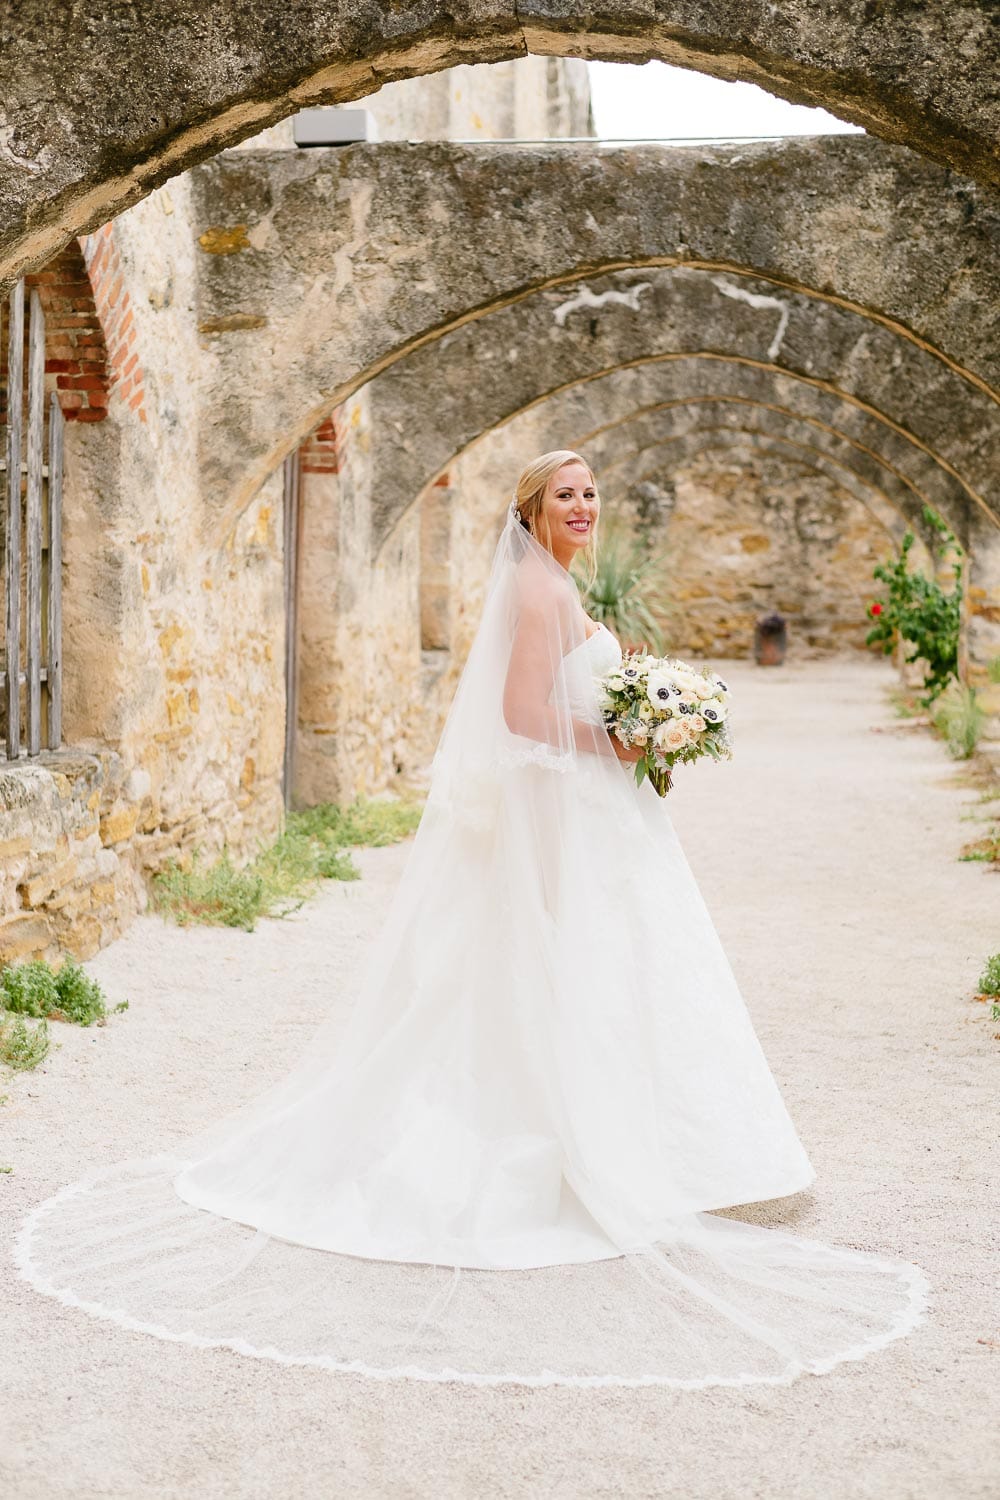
column 628, row 586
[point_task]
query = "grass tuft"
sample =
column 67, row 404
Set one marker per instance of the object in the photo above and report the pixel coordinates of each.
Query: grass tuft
column 313, row 847
column 958, row 716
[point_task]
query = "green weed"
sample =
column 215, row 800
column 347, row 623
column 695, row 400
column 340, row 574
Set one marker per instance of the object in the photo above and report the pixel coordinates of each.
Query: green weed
column 959, row 718
column 989, row 979
column 312, row 848
column 22, row 1046
column 35, row 989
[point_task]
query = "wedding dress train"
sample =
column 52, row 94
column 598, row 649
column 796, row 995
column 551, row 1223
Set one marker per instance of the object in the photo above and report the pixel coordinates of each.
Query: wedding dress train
column 505, row 1168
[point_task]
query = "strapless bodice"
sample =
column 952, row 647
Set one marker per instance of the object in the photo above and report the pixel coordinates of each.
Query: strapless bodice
column 598, row 654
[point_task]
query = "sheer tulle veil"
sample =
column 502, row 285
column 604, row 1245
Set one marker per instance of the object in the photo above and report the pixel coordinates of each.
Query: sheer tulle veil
column 504, row 1165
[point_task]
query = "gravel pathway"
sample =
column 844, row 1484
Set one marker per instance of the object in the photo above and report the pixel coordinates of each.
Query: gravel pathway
column 826, row 853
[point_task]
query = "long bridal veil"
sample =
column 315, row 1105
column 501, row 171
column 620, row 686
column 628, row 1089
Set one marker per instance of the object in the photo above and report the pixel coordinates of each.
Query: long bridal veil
column 503, row 1166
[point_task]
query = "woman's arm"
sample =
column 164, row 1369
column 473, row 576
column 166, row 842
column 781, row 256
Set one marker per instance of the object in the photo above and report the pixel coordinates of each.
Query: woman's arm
column 535, row 656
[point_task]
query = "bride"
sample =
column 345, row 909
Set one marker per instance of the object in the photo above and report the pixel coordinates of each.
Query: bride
column 506, row 1165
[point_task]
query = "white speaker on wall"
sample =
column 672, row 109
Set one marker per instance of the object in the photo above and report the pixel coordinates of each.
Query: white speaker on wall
column 333, row 127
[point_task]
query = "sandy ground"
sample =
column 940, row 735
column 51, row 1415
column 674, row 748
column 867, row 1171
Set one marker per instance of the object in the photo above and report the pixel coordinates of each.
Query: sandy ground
column 826, row 853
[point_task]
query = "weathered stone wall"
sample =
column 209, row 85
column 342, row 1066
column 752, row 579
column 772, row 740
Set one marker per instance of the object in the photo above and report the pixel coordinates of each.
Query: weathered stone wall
column 69, row 878
column 359, row 667
column 745, row 532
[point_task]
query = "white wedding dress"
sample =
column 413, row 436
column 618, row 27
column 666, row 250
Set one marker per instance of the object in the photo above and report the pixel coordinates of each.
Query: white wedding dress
column 504, row 1168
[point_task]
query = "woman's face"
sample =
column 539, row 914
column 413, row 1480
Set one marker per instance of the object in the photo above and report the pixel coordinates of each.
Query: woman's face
column 570, row 505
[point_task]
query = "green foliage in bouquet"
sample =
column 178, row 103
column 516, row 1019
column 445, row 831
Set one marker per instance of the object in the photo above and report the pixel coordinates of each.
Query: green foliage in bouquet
column 628, row 582
column 920, row 612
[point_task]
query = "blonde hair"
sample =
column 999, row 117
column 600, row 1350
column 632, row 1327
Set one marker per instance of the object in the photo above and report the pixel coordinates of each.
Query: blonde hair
column 529, row 498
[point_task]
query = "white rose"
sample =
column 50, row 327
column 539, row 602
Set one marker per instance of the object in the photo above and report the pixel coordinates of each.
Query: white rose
column 672, row 735
column 695, row 723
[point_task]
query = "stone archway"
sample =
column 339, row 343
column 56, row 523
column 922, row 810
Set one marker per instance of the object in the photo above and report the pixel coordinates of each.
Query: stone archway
column 325, row 296
column 134, row 111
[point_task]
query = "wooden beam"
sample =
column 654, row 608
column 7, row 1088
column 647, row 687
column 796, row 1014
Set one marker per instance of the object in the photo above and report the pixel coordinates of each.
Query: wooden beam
column 290, row 563
column 12, row 544
column 53, row 671
column 33, row 518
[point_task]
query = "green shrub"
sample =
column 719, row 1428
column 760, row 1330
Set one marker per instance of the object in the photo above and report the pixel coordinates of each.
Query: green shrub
column 33, row 988
column 81, row 998
column 919, row 612
column 22, row 1046
column 959, row 717
column 989, row 980
column 29, row 989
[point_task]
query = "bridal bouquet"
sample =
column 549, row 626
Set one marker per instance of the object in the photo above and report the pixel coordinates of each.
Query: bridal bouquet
column 668, row 709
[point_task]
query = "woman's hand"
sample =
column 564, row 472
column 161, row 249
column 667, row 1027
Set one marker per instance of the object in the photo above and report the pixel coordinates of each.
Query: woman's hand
column 629, row 753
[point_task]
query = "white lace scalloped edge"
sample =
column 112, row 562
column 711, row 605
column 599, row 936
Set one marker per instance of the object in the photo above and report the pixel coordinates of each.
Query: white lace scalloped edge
column 915, row 1313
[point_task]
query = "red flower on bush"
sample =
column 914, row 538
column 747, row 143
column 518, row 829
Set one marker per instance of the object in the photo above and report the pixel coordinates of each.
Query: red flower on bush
column 874, row 609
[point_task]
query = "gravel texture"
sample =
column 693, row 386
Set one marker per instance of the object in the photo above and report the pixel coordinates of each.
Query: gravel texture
column 826, row 853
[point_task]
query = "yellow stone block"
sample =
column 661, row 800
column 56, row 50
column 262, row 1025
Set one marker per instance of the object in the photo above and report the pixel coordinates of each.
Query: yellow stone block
column 177, row 708
column 102, row 892
column 118, row 825
column 168, row 638
column 11, row 848
column 755, row 541
column 23, row 935
column 84, row 938
column 34, row 891
column 220, row 240
column 235, row 706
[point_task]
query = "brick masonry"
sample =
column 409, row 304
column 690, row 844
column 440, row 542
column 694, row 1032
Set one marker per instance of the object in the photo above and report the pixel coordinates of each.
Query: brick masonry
column 322, row 451
column 76, row 362
column 114, row 309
